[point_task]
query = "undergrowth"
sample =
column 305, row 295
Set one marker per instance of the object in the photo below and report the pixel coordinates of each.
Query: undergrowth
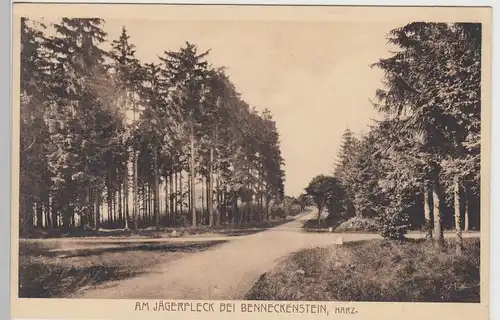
column 381, row 270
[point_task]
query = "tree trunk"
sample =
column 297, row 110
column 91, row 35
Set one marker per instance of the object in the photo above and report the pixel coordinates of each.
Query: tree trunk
column 436, row 199
column 30, row 218
column 458, row 225
column 466, row 213
column 135, row 210
column 101, row 209
column 24, row 212
column 427, row 213
column 39, row 214
column 250, row 203
column 320, row 209
column 108, row 201
column 172, row 197
column 126, row 196
column 261, row 200
column 210, row 202
column 156, row 190
column 53, row 207
column 242, row 213
column 234, row 210
column 203, row 200
column 166, row 196
column 161, row 204
column 115, row 214
column 145, row 206
column 66, row 215
column 151, row 201
column 188, row 191
column 223, row 206
column 27, row 211
column 120, row 207
column 126, row 171
column 181, row 194
column 192, row 176
column 90, row 214
column 140, row 202
column 268, row 200
column 32, row 214
column 97, row 222
column 176, row 196
column 248, row 217
column 219, row 201
column 48, row 219
column 72, row 217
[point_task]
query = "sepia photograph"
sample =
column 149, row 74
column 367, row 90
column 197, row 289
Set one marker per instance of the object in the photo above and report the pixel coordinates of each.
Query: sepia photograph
column 251, row 159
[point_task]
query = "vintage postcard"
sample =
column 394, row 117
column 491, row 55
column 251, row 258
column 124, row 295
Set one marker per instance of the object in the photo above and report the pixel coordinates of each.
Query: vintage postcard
column 216, row 161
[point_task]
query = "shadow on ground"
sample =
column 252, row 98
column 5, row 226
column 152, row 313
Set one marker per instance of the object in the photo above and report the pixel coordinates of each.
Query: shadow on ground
column 164, row 248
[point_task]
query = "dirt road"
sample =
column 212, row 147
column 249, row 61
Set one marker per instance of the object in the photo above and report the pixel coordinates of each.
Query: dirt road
column 225, row 272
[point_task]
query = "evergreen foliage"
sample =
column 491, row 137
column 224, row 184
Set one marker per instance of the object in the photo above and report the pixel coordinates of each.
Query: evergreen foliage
column 109, row 140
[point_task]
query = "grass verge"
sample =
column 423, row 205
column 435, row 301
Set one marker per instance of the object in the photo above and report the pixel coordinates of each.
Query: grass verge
column 378, row 270
column 44, row 273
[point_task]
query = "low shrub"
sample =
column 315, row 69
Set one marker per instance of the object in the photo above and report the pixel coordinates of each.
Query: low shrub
column 394, row 223
column 358, row 224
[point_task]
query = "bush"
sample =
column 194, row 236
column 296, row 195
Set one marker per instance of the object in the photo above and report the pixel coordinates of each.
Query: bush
column 358, row 224
column 394, row 223
column 277, row 211
column 293, row 209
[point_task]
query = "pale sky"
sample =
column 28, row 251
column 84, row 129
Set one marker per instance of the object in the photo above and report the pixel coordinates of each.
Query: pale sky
column 314, row 76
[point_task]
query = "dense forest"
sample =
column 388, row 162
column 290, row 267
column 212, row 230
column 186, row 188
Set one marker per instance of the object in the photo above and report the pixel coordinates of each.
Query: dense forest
column 109, row 141
column 419, row 165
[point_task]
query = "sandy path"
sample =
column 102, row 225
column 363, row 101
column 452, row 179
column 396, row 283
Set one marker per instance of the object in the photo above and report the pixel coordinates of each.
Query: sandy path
column 226, row 271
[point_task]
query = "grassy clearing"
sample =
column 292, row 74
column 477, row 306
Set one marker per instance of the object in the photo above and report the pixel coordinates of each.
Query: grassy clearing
column 44, row 273
column 378, row 270
column 163, row 232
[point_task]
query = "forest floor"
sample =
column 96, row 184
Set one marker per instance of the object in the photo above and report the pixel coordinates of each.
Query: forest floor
column 190, row 267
